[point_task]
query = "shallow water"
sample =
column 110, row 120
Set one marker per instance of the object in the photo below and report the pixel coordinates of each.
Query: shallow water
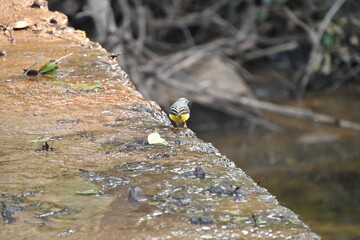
column 313, row 169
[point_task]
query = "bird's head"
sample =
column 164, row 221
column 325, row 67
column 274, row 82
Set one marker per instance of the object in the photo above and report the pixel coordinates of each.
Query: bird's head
column 184, row 100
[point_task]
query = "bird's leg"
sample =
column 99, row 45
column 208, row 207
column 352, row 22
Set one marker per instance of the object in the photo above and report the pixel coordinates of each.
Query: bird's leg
column 185, row 125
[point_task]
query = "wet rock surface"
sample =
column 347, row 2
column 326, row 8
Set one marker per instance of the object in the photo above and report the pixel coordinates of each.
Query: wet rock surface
column 97, row 177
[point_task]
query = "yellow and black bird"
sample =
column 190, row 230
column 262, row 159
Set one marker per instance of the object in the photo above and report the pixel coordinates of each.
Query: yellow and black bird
column 180, row 112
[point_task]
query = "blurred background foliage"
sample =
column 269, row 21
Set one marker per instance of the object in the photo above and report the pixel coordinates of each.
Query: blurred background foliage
column 287, row 46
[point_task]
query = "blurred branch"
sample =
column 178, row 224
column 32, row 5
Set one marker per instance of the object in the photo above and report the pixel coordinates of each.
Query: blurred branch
column 161, row 42
column 316, row 49
column 104, row 19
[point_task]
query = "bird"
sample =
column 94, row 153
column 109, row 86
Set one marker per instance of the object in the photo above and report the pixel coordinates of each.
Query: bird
column 179, row 111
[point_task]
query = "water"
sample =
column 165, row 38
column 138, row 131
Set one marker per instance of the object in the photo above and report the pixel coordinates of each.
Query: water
column 313, row 169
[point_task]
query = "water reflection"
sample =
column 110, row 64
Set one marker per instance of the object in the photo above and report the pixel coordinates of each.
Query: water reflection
column 312, row 169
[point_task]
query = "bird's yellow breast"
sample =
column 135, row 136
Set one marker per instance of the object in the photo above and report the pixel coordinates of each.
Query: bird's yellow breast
column 183, row 117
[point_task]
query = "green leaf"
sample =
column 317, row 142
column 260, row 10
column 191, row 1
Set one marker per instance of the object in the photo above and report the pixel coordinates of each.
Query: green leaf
column 88, row 86
column 155, row 138
column 52, row 72
column 328, row 40
column 49, row 68
column 154, row 203
column 88, row 192
column 78, row 86
column 45, row 139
